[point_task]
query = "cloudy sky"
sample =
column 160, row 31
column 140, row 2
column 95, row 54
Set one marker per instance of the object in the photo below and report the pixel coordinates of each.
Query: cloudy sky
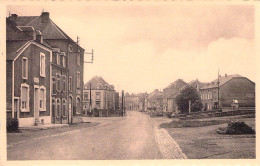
column 144, row 47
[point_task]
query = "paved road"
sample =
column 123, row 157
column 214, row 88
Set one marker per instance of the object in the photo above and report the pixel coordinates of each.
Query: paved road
column 130, row 137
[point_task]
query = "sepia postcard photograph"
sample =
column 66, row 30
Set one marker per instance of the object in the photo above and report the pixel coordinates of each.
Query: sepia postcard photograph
column 128, row 81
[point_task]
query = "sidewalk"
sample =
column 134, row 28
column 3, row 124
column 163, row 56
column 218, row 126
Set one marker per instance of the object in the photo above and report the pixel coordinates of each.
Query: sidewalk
column 43, row 127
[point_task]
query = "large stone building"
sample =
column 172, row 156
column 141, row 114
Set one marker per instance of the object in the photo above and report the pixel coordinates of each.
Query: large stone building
column 65, row 69
column 231, row 88
column 98, row 95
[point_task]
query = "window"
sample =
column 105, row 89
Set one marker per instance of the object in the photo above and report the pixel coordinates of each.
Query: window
column 58, row 58
column 25, row 68
column 42, row 65
column 86, row 96
column 25, row 98
column 78, row 79
column 78, row 59
column 58, row 83
column 63, row 107
column 63, row 83
column 58, row 108
column 53, row 86
column 63, row 61
column 70, row 84
column 42, row 99
column 106, row 96
column 98, row 104
column 97, row 95
column 78, row 106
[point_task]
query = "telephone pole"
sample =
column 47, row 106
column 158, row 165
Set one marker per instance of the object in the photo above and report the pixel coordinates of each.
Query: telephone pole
column 218, row 89
column 122, row 102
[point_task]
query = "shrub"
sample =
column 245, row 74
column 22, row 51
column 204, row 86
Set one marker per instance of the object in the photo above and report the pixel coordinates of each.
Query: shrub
column 12, row 125
column 239, row 128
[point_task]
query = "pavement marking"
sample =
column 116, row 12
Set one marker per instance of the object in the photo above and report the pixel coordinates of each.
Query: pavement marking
column 167, row 145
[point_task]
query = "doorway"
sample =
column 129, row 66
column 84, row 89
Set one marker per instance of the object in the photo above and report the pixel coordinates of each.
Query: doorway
column 36, row 104
column 70, row 110
column 16, row 108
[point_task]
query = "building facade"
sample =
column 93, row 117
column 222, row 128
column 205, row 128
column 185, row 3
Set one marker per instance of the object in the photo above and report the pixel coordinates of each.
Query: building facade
column 66, row 67
column 231, row 88
column 28, row 68
column 99, row 96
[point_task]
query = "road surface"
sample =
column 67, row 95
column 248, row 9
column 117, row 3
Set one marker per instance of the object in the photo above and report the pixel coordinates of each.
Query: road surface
column 130, row 137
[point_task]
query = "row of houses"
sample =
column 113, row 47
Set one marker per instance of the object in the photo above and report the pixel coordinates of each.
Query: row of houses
column 44, row 72
column 225, row 90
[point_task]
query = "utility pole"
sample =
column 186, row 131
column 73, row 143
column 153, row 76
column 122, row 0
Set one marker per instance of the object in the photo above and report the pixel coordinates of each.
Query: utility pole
column 122, row 102
column 90, row 100
column 218, row 89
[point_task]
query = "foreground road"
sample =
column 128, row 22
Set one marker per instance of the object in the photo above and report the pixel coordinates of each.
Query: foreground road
column 130, row 137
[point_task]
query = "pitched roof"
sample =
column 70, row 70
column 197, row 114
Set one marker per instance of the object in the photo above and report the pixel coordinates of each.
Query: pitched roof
column 98, row 83
column 12, row 48
column 49, row 29
column 222, row 81
column 175, row 83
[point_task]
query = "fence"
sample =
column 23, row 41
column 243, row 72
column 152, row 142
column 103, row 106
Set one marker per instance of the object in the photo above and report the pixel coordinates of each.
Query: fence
column 217, row 113
column 103, row 113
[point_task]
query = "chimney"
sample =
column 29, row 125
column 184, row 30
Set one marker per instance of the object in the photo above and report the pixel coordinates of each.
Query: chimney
column 13, row 17
column 45, row 17
column 39, row 37
column 225, row 75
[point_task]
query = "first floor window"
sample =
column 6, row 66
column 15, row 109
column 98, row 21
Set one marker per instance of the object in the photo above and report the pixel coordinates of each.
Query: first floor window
column 97, row 95
column 58, row 82
column 25, row 68
column 42, row 99
column 78, row 59
column 53, row 85
column 78, row 79
column 25, row 98
column 70, row 84
column 42, row 64
column 64, row 83
column 86, row 96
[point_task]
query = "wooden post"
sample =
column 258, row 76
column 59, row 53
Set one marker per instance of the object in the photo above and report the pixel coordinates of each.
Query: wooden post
column 189, row 106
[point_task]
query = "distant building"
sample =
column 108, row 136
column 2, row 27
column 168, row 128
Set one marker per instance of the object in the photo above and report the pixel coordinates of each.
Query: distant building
column 170, row 93
column 102, row 96
column 132, row 102
column 153, row 100
column 231, row 88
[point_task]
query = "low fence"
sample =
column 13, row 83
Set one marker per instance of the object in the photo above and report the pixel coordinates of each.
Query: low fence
column 103, row 113
column 217, row 113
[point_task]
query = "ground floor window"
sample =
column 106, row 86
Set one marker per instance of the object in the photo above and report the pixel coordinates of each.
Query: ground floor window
column 25, row 98
column 63, row 107
column 58, row 108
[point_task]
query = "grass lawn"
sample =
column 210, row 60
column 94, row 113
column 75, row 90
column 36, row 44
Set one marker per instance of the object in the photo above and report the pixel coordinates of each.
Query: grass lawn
column 203, row 142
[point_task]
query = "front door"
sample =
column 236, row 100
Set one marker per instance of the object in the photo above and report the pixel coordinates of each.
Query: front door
column 70, row 108
column 16, row 108
column 36, row 104
column 53, row 111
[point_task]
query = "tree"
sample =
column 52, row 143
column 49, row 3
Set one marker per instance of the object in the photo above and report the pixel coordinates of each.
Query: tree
column 188, row 94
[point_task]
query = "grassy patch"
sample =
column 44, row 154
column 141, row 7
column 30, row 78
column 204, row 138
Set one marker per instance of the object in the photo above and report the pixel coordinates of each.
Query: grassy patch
column 192, row 123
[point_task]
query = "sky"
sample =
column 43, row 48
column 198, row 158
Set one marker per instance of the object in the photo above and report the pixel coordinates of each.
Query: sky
column 142, row 47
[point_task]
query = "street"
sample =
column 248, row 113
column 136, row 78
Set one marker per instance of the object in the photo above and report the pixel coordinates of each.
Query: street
column 130, row 137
